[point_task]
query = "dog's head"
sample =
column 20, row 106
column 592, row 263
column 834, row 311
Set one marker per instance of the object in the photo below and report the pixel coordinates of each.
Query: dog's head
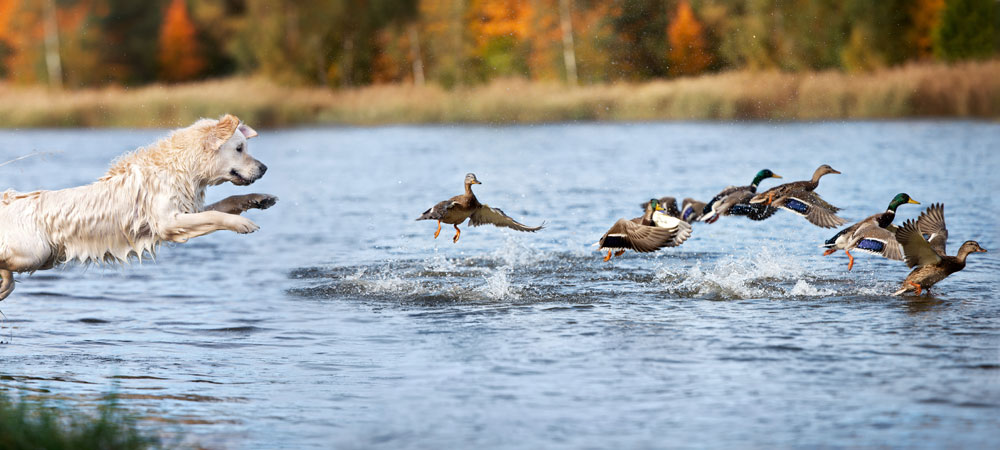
column 229, row 157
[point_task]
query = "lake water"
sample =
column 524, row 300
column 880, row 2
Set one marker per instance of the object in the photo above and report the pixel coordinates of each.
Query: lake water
column 343, row 323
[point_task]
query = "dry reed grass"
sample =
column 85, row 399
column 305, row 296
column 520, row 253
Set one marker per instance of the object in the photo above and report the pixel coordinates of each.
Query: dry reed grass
column 917, row 90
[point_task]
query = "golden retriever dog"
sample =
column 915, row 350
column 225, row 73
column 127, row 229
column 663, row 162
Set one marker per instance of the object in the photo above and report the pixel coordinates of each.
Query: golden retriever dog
column 151, row 195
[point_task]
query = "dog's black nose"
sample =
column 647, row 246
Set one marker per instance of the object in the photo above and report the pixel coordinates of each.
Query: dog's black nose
column 263, row 169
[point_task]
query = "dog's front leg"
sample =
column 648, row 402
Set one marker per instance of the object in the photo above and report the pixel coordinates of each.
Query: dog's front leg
column 187, row 226
column 237, row 204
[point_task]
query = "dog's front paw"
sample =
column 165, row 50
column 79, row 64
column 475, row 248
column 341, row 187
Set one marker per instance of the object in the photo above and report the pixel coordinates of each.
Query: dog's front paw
column 261, row 201
column 242, row 225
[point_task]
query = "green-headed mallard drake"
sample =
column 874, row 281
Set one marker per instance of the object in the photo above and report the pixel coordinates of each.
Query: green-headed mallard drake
column 928, row 254
column 800, row 198
column 460, row 207
column 668, row 205
column 876, row 234
column 651, row 232
column 734, row 201
column 692, row 210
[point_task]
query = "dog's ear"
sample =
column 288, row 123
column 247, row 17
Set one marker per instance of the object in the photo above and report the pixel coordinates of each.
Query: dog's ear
column 247, row 131
column 226, row 127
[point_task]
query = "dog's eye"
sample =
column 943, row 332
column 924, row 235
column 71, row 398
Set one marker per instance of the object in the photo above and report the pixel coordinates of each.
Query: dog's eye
column 239, row 148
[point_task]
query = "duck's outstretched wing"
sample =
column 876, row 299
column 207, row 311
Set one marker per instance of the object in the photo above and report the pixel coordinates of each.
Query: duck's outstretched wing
column 801, row 203
column 626, row 234
column 931, row 224
column 874, row 239
column 485, row 215
column 916, row 250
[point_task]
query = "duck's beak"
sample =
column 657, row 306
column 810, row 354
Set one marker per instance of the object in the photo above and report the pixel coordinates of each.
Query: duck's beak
column 774, row 175
column 659, row 208
column 982, row 249
column 913, row 201
column 832, row 170
column 476, row 182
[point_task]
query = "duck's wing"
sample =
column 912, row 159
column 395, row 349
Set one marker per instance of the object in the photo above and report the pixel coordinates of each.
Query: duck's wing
column 438, row 211
column 495, row 216
column 680, row 228
column 931, row 224
column 871, row 238
column 692, row 210
column 815, row 199
column 626, row 234
column 800, row 202
column 916, row 250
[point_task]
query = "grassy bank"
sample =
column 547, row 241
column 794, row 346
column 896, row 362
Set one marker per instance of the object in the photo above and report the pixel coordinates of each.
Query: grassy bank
column 37, row 425
column 927, row 90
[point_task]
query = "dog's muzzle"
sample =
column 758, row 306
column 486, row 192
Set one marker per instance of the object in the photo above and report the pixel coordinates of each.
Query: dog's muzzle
column 240, row 180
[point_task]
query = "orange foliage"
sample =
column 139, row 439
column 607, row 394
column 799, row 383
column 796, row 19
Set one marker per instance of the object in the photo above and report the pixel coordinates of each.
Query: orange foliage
column 688, row 50
column 179, row 57
column 500, row 18
column 925, row 14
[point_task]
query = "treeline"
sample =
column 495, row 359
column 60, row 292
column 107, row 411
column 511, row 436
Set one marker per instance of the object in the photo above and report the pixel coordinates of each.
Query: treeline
column 344, row 43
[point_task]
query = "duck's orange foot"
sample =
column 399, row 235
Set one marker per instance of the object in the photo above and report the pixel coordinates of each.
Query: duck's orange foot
column 458, row 233
column 829, row 252
column 915, row 286
column 620, row 252
column 436, row 233
column 608, row 256
column 850, row 263
column 770, row 198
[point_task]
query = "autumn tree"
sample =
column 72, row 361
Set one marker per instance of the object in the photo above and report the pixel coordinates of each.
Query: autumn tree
column 688, row 52
column 179, row 55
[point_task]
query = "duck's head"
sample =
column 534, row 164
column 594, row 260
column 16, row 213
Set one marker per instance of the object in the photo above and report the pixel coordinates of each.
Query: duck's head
column 470, row 178
column 654, row 205
column 901, row 199
column 971, row 247
column 823, row 170
column 766, row 173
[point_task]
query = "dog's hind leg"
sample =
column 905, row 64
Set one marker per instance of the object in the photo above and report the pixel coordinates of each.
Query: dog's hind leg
column 187, row 226
column 237, row 204
column 6, row 283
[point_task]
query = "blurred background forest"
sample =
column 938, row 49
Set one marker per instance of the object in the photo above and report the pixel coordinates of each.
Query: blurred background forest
column 330, row 52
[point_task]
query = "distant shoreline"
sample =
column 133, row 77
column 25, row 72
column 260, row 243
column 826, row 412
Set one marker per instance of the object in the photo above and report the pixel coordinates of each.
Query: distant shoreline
column 967, row 90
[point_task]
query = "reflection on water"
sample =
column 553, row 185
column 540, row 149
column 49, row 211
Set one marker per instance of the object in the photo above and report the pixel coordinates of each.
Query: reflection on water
column 343, row 323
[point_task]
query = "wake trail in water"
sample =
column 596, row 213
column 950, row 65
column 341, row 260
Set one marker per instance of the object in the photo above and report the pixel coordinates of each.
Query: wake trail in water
column 521, row 272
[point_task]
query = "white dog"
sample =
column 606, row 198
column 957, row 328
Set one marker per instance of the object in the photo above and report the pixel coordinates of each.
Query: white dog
column 151, row 195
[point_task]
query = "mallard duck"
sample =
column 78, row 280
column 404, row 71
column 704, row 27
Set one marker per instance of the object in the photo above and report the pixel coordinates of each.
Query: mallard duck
column 651, row 232
column 928, row 254
column 668, row 204
column 692, row 210
column 734, row 201
column 460, row 207
column 876, row 234
column 800, row 198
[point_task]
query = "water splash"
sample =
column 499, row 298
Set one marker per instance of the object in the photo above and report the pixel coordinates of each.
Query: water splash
column 499, row 287
column 761, row 275
column 803, row 289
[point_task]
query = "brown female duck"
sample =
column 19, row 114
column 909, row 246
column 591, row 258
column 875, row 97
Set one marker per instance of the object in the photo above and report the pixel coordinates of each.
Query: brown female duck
column 799, row 197
column 928, row 254
column 460, row 207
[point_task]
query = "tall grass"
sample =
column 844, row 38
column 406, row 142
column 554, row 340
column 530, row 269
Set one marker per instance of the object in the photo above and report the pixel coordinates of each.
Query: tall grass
column 28, row 424
column 916, row 90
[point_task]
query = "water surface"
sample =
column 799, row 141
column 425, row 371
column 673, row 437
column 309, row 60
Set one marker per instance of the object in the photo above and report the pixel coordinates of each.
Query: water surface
column 343, row 323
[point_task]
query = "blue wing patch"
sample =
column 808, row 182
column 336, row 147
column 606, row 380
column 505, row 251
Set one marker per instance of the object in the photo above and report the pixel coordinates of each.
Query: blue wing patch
column 871, row 245
column 797, row 206
column 687, row 213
